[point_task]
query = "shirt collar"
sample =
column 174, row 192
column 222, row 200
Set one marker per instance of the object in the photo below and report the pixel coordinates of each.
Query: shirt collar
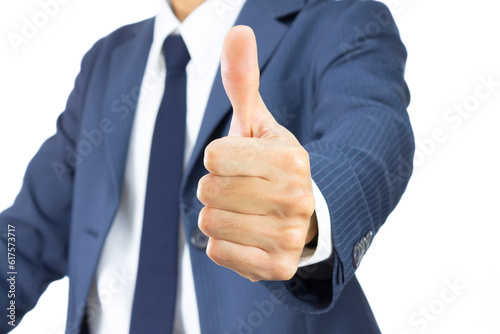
column 203, row 30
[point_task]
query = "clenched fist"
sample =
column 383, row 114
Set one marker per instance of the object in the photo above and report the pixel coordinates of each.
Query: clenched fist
column 259, row 204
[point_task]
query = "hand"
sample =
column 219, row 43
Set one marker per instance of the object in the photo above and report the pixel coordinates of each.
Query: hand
column 259, row 205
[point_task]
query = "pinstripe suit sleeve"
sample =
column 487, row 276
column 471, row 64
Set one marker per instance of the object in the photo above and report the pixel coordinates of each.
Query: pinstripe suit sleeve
column 362, row 144
column 42, row 210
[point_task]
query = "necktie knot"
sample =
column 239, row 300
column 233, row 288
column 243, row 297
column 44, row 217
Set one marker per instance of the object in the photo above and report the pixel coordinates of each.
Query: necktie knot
column 176, row 54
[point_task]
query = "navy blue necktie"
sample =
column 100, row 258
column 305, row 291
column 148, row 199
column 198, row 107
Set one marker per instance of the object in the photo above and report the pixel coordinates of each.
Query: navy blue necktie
column 155, row 291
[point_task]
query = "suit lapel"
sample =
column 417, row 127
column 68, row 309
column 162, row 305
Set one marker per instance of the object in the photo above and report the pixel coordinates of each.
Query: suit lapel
column 126, row 64
column 127, row 67
column 262, row 16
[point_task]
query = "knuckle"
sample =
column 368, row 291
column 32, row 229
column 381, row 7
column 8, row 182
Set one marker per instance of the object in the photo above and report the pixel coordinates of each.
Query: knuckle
column 304, row 155
column 258, row 268
column 212, row 155
column 200, row 191
column 305, row 204
column 205, row 220
column 283, row 195
column 297, row 159
column 214, row 251
column 297, row 203
column 293, row 239
column 302, row 162
column 207, row 189
column 284, row 270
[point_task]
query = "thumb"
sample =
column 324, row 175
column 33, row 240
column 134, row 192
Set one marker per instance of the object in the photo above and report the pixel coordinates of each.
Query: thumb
column 240, row 77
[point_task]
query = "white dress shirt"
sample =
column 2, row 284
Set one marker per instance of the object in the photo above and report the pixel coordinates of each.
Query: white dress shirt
column 109, row 305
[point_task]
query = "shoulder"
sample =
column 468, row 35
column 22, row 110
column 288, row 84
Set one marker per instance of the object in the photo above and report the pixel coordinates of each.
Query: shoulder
column 336, row 28
column 143, row 29
column 344, row 7
column 348, row 14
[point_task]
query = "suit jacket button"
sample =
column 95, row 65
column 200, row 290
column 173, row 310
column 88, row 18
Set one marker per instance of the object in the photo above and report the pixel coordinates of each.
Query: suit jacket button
column 357, row 255
column 363, row 244
column 198, row 239
column 369, row 239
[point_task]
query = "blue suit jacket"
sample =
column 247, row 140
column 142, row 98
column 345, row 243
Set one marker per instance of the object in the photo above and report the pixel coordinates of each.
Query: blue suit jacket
column 332, row 73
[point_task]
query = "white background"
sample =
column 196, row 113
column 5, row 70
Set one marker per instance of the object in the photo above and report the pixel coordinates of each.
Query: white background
column 445, row 230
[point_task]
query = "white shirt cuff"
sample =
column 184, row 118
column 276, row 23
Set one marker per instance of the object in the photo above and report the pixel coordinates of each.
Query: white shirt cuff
column 324, row 247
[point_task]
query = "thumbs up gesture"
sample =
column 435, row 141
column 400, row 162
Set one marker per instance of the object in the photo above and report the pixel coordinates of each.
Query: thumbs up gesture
column 259, row 205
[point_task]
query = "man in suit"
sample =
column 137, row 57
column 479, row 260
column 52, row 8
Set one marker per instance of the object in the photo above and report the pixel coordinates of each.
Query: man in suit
column 280, row 172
